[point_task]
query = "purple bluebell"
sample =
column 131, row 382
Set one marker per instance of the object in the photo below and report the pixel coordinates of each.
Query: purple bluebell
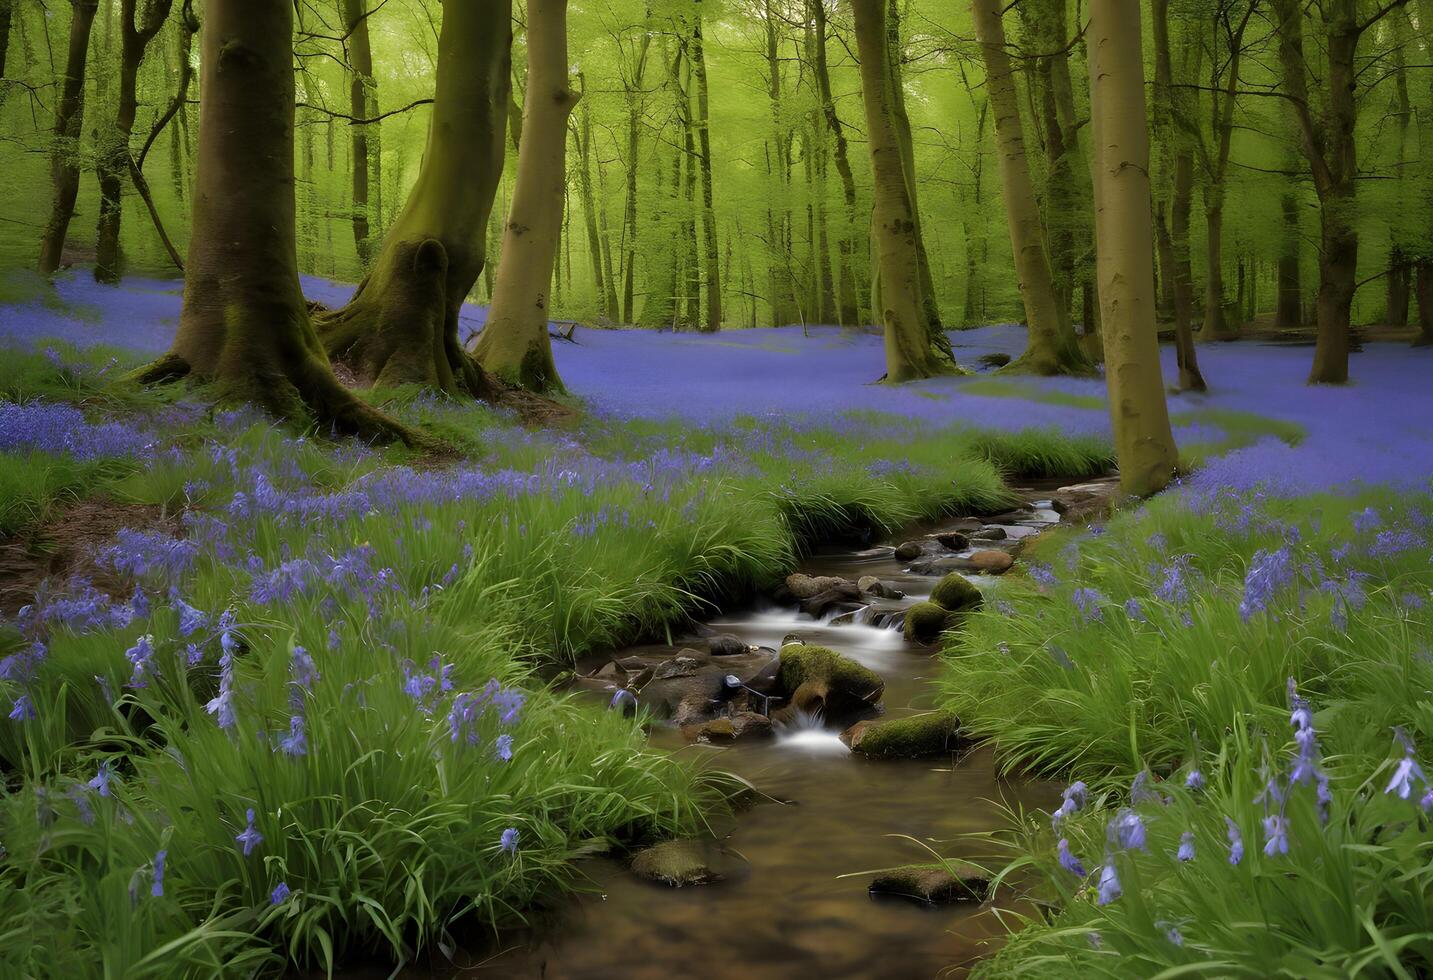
column 508, row 841
column 1236, row 841
column 1276, row 835
column 1366, row 520
column 1127, row 830
column 1194, row 781
column 222, row 706
column 250, row 837
column 296, row 741
column 102, row 778
column 303, row 669
column 503, row 747
column 1068, row 861
column 22, row 709
column 1109, row 887
column 1186, row 846
column 280, row 894
column 1041, row 573
column 1088, row 602
column 1172, row 933
column 156, row 888
column 141, row 656
column 1270, row 572
column 1134, row 610
column 191, row 620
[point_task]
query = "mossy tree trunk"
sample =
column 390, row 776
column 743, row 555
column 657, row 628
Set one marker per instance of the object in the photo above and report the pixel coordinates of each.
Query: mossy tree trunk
column 514, row 344
column 1289, row 311
column 848, row 285
column 401, row 326
column 69, row 124
column 633, row 80
column 1144, row 442
column 112, row 156
column 712, row 254
column 244, row 325
column 1051, row 347
column 910, row 352
column 582, row 143
column 1423, row 289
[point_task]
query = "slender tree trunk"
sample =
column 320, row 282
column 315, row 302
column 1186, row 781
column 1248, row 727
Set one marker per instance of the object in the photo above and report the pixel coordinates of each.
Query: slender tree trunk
column 363, row 104
column 910, row 353
column 613, row 310
column 6, row 13
column 849, row 286
column 634, row 124
column 704, row 140
column 1144, row 442
column 514, row 344
column 69, row 124
column 244, row 325
column 1291, row 292
column 1423, row 286
column 582, row 143
column 973, row 223
column 1051, row 347
column 402, row 324
column 1173, row 204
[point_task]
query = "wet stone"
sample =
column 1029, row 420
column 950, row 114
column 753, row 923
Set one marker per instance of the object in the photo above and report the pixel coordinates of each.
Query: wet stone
column 932, row 884
column 727, row 645
column 929, row 733
column 679, row 863
column 802, row 586
column 991, row 533
column 871, row 585
column 953, row 540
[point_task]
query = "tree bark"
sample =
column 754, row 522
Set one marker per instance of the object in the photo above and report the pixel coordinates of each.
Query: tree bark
column 1144, row 442
column 514, row 344
column 712, row 321
column 402, row 324
column 69, row 123
column 1289, row 312
column 112, row 157
column 363, row 104
column 910, row 353
column 1423, row 286
column 1051, row 347
column 244, row 325
column 633, row 89
column 582, row 143
column 1173, row 203
column 849, row 286
column 6, row 13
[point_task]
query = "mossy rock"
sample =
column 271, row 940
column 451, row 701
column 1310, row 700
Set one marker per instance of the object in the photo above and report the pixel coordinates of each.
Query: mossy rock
column 956, row 593
column 931, row 733
column 925, row 621
column 677, row 863
column 804, row 663
column 932, row 884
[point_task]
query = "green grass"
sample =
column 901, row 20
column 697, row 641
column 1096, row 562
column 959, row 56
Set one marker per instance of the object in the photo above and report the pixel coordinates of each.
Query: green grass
column 1070, row 682
column 386, row 831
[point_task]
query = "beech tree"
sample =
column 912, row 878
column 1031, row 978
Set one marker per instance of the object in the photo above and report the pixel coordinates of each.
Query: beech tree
column 910, row 353
column 244, row 325
column 1144, row 441
column 514, row 343
column 363, row 127
column 402, row 324
column 1051, row 347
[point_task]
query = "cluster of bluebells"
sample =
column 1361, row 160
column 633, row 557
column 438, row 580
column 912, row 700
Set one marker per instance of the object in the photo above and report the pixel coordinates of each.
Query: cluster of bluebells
column 469, row 708
column 63, row 429
column 1126, row 831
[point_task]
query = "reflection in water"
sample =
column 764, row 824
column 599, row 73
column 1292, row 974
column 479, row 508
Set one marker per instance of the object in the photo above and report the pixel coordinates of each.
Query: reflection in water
column 793, row 914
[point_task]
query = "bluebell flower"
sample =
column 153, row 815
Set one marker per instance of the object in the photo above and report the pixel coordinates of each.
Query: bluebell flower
column 1276, row 835
column 141, row 656
column 1139, row 791
column 156, row 888
column 280, row 894
column 1236, row 842
column 1109, row 888
column 250, row 838
column 101, row 781
column 1270, row 572
column 296, row 741
column 22, row 709
column 1077, row 794
column 504, row 747
column 1134, row 610
column 1404, row 774
column 303, row 668
column 1172, row 933
column 1088, row 602
column 1068, row 861
column 622, row 699
column 1194, row 781
column 1127, row 830
column 1366, row 520
column 222, row 706
column 509, row 840
column 1186, row 846
column 1041, row 573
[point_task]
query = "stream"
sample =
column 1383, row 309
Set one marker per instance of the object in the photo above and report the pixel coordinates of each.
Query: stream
column 783, row 908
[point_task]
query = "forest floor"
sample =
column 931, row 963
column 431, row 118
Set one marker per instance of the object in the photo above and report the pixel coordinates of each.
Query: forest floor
column 276, row 804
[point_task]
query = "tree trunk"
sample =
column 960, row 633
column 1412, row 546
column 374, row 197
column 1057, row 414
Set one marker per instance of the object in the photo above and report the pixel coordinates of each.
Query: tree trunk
column 1051, row 347
column 910, row 354
column 633, row 88
column 363, row 104
column 1399, row 277
column 244, row 325
column 906, row 141
column 402, row 324
column 1423, row 286
column 6, row 13
column 112, row 158
column 1144, row 442
column 514, row 344
column 582, row 143
column 69, row 123
column 1291, row 292
column 849, row 286
column 1173, row 204
column 704, row 141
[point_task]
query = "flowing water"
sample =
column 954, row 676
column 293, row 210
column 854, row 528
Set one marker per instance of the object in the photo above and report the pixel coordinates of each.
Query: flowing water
column 787, row 908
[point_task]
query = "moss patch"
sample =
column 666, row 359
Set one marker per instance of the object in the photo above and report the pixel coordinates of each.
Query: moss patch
column 932, row 733
column 802, row 663
column 956, row 593
column 926, row 621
